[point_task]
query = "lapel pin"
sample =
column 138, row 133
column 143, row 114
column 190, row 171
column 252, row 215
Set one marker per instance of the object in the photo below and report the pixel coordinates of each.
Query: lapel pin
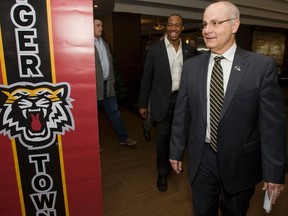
column 237, row 68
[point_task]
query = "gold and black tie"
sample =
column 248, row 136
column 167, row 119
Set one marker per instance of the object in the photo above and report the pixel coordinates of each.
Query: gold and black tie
column 216, row 100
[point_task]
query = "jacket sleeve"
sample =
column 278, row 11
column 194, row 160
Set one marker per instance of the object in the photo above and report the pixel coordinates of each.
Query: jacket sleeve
column 272, row 126
column 181, row 120
column 147, row 79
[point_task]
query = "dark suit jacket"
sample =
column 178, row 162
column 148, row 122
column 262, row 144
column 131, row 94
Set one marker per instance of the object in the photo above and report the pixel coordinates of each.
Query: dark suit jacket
column 99, row 75
column 156, row 79
column 251, row 136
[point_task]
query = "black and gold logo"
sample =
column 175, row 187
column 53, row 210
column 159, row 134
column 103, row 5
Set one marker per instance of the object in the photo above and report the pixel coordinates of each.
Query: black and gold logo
column 35, row 113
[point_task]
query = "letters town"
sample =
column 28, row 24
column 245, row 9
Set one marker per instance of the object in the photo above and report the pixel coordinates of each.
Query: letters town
column 42, row 183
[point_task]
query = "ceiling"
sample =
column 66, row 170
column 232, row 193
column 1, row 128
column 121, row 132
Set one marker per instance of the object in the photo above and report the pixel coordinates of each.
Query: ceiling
column 271, row 13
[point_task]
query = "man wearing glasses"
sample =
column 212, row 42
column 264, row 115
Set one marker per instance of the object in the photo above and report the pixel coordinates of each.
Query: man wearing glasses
column 237, row 123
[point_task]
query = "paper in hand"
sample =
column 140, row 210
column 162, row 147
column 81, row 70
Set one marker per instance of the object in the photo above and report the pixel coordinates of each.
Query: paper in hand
column 267, row 202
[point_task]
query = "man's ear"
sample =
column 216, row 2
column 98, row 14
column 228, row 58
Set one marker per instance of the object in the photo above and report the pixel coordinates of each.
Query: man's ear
column 235, row 26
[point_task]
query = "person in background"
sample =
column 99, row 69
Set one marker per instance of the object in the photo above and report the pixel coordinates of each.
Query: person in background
column 194, row 45
column 106, row 95
column 159, row 86
column 247, row 144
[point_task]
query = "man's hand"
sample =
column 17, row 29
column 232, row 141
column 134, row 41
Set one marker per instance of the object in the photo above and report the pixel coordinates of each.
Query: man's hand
column 276, row 189
column 177, row 166
column 143, row 112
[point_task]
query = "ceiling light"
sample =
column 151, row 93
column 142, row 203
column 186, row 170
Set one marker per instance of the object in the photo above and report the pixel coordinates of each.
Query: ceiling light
column 158, row 26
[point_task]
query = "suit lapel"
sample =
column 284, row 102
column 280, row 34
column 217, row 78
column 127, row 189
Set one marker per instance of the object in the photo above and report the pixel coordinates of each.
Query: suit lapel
column 185, row 52
column 202, row 81
column 97, row 53
column 238, row 70
column 163, row 53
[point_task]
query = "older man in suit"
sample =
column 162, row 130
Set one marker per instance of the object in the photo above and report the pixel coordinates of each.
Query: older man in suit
column 160, row 83
column 250, row 132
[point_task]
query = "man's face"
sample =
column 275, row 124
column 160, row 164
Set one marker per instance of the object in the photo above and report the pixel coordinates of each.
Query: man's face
column 192, row 43
column 98, row 28
column 174, row 28
column 219, row 37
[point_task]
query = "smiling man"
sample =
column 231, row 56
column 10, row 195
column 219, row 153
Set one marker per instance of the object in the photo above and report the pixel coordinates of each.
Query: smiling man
column 237, row 125
column 160, row 82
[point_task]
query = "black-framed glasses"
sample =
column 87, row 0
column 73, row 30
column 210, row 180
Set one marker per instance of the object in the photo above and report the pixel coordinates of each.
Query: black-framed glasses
column 213, row 23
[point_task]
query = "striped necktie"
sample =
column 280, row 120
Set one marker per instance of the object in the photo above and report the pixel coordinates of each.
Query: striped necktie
column 216, row 100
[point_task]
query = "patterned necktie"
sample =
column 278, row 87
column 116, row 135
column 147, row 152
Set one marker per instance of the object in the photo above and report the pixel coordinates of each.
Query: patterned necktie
column 216, row 100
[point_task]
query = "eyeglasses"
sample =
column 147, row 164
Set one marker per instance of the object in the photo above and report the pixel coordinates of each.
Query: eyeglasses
column 213, row 23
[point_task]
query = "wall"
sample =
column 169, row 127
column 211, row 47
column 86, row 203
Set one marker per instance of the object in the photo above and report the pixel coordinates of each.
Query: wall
column 284, row 66
column 127, row 50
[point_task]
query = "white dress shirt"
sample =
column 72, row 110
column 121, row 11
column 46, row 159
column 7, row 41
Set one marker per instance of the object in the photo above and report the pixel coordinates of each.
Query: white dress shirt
column 98, row 42
column 176, row 63
column 226, row 64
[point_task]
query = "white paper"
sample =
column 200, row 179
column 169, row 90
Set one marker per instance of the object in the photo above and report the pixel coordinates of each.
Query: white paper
column 267, row 202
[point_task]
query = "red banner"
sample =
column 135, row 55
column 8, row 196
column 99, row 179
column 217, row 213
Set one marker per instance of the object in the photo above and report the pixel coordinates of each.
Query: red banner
column 49, row 148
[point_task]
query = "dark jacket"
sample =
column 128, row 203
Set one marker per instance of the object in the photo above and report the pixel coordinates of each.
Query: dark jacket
column 156, row 81
column 251, row 132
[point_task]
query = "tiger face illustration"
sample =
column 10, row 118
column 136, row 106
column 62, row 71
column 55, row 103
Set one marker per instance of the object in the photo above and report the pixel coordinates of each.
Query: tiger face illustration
column 35, row 113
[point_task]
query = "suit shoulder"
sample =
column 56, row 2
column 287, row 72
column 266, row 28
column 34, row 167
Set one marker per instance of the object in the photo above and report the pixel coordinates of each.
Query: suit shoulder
column 189, row 49
column 187, row 46
column 253, row 55
column 258, row 60
column 154, row 45
column 261, row 56
column 199, row 58
column 195, row 62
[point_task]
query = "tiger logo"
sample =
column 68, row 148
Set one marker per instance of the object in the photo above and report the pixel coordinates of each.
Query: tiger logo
column 35, row 113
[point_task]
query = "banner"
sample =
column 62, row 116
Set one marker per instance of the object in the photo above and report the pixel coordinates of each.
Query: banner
column 49, row 148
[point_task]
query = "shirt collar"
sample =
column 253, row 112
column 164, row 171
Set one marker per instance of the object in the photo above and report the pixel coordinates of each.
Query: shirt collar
column 228, row 55
column 167, row 42
column 98, row 40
